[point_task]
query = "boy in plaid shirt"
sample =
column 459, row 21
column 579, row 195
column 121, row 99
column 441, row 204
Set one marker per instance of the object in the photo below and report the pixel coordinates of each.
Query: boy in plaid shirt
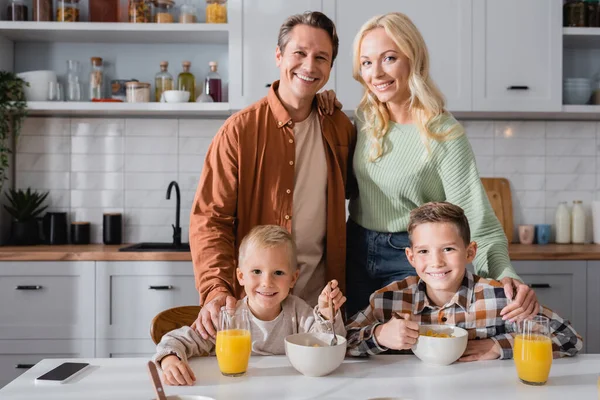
column 445, row 293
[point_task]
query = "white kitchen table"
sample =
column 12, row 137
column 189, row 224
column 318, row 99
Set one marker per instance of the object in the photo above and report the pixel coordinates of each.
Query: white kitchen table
column 402, row 377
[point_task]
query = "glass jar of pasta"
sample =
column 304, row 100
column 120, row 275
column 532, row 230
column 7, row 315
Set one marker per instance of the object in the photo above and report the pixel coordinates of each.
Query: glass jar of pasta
column 139, row 11
column 67, row 11
column 216, row 11
column 164, row 11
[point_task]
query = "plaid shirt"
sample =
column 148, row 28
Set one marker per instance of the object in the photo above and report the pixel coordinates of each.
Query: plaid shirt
column 475, row 307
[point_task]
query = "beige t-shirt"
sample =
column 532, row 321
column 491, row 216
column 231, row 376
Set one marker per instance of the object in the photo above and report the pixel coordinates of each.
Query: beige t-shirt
column 309, row 219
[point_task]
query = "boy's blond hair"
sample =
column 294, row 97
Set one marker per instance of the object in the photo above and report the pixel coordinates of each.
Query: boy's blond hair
column 268, row 236
column 440, row 212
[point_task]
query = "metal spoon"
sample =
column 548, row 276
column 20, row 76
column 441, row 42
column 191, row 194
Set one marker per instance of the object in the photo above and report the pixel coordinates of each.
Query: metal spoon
column 334, row 340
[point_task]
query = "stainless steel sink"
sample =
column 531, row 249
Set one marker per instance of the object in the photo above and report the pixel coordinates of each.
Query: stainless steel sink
column 149, row 246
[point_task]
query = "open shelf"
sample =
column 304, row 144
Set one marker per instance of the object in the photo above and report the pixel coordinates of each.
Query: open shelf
column 581, row 38
column 62, row 108
column 97, row 32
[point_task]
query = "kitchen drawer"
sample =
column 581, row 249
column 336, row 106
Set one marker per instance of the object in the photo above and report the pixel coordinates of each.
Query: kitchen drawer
column 47, row 300
column 130, row 294
column 123, row 348
column 17, row 356
column 560, row 286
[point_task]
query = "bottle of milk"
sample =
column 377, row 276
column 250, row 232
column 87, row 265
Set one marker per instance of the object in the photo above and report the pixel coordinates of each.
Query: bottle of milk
column 578, row 223
column 563, row 223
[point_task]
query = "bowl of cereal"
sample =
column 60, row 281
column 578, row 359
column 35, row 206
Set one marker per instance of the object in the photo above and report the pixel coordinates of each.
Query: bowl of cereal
column 440, row 344
column 311, row 354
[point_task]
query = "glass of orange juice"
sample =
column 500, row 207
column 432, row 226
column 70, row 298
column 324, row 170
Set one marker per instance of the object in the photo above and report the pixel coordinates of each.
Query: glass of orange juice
column 234, row 343
column 532, row 351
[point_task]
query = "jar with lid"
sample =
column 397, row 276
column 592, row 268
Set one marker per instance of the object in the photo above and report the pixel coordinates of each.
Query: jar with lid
column 139, row 11
column 67, row 11
column 575, row 13
column 187, row 14
column 42, row 10
column 578, row 223
column 162, row 81
column 104, row 10
column 97, row 79
column 563, row 223
column 137, row 92
column 164, row 11
column 17, row 11
column 592, row 13
column 216, row 11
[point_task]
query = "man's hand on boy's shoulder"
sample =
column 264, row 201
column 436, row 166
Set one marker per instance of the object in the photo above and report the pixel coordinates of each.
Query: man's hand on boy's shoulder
column 207, row 322
column 177, row 372
column 479, row 350
column 397, row 333
column 524, row 301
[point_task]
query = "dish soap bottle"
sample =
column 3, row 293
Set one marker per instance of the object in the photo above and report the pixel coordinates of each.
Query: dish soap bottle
column 578, row 223
column 186, row 81
column 162, row 81
column 563, row 223
column 213, row 83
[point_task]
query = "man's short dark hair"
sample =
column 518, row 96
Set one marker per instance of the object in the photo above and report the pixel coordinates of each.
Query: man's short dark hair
column 310, row 18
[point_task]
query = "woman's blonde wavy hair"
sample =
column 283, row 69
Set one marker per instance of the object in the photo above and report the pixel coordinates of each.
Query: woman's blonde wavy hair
column 426, row 102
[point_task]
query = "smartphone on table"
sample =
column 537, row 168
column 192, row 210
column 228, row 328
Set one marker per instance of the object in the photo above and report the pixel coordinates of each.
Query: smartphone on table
column 62, row 373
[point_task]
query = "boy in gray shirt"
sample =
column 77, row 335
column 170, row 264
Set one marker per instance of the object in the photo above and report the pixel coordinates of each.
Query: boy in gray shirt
column 267, row 270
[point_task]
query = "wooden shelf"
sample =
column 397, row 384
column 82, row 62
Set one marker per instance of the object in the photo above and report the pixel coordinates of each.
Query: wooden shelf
column 61, row 108
column 581, row 38
column 96, row 32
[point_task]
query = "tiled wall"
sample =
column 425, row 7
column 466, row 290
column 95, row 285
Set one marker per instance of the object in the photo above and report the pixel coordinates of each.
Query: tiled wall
column 92, row 166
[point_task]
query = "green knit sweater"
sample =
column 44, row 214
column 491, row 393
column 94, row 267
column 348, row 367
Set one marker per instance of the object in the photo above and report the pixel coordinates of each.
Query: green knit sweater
column 407, row 176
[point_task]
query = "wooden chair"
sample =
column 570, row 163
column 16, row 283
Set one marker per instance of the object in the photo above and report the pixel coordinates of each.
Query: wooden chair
column 173, row 318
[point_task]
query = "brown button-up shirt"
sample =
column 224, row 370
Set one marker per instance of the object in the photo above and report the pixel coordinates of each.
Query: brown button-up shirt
column 246, row 179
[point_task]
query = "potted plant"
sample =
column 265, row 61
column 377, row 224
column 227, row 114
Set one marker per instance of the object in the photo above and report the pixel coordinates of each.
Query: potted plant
column 25, row 208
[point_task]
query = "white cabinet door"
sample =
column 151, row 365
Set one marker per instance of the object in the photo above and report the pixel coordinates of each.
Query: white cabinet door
column 17, row 356
column 593, row 308
column 560, row 286
column 125, row 348
column 252, row 42
column 46, row 300
column 517, row 55
column 130, row 294
column 445, row 26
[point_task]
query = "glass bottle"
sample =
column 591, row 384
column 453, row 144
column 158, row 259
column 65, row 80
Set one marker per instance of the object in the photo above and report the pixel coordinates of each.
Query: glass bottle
column 164, row 11
column 67, row 11
column 216, row 11
column 16, row 11
column 42, row 10
column 578, row 223
column 73, row 85
column 563, row 223
column 186, row 81
column 163, row 81
column 212, row 83
column 96, row 79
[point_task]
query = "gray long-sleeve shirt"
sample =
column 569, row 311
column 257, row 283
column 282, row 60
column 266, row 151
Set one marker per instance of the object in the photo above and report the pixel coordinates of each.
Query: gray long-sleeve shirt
column 268, row 337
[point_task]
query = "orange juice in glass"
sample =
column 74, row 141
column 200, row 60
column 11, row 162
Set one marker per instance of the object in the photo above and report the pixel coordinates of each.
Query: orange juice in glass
column 234, row 343
column 532, row 351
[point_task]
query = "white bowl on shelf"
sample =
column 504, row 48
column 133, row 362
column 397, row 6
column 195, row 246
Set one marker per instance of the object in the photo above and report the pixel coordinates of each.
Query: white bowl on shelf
column 38, row 84
column 440, row 350
column 176, row 96
column 577, row 94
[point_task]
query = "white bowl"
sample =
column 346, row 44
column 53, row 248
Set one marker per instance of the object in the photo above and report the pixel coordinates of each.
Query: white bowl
column 315, row 361
column 176, row 96
column 577, row 94
column 38, row 84
column 441, row 351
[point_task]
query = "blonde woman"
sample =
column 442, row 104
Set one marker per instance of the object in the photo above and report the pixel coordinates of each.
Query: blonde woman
column 411, row 151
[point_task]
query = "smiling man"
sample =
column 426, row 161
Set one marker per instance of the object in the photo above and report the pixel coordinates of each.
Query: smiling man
column 279, row 161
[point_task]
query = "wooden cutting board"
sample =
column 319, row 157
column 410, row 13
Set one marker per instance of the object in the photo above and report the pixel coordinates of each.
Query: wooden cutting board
column 498, row 192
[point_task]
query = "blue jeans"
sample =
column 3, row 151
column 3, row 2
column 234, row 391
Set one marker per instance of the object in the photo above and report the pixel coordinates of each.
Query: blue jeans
column 373, row 260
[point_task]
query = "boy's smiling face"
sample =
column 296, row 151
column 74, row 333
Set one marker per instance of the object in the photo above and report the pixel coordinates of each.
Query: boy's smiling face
column 267, row 277
column 440, row 257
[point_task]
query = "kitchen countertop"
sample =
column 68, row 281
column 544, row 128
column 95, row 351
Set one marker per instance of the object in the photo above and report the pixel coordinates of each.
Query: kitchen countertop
column 99, row 252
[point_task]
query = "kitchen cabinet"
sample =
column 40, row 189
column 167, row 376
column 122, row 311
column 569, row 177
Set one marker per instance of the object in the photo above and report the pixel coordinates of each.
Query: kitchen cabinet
column 47, row 300
column 253, row 38
column 130, row 294
column 560, row 286
column 17, row 356
column 122, row 348
column 593, row 307
column 517, row 55
column 445, row 26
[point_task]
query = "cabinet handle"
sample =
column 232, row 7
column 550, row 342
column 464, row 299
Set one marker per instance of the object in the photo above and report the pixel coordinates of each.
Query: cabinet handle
column 24, row 366
column 268, row 85
column 165, row 287
column 28, row 287
column 517, row 87
column 540, row 286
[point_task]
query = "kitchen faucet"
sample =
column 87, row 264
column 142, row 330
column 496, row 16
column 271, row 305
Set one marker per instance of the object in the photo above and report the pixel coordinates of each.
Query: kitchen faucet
column 176, row 227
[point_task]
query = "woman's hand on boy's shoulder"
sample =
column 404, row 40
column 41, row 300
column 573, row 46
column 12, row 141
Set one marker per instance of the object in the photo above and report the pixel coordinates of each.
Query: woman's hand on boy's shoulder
column 177, row 372
column 524, row 302
column 479, row 350
column 335, row 294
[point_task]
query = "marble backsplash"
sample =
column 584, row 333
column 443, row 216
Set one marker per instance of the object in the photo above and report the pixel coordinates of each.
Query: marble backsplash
column 92, row 166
